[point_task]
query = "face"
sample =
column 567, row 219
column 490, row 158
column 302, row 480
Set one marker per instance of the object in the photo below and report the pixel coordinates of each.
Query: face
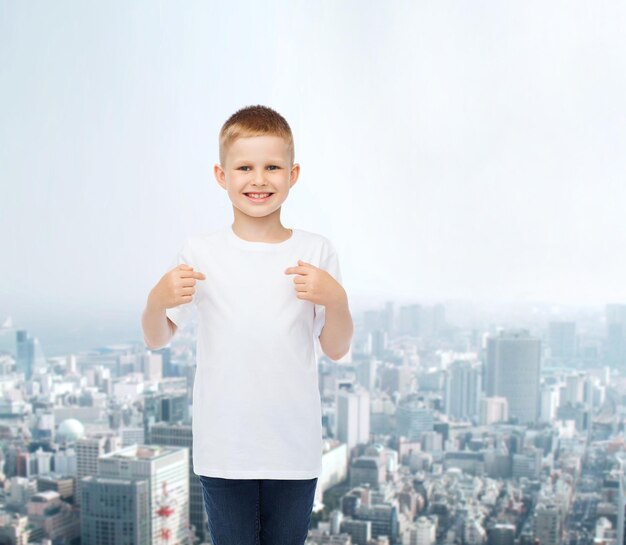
column 257, row 164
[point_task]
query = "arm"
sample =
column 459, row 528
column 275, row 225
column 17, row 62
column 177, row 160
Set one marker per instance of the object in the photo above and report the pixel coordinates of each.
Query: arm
column 158, row 329
column 338, row 329
column 176, row 287
column 324, row 289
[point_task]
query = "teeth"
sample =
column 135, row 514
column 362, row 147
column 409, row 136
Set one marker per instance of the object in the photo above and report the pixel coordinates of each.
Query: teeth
column 258, row 195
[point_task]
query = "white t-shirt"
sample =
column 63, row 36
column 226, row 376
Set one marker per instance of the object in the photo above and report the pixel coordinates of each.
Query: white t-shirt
column 256, row 400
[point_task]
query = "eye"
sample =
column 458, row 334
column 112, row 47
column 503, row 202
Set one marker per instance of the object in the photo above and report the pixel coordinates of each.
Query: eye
column 246, row 166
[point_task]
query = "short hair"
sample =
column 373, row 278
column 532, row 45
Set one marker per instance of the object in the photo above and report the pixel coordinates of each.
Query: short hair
column 254, row 120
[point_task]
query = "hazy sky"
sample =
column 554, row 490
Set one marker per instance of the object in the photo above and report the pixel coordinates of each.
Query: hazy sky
column 474, row 150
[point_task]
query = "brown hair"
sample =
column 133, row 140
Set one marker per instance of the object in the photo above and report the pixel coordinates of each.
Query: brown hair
column 254, row 121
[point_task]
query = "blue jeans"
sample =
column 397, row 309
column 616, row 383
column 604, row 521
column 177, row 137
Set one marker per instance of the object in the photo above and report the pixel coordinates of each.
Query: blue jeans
column 258, row 511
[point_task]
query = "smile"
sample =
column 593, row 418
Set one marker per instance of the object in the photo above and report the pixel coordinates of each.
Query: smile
column 259, row 197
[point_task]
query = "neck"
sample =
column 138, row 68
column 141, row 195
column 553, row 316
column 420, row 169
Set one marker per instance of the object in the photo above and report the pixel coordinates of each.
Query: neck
column 266, row 229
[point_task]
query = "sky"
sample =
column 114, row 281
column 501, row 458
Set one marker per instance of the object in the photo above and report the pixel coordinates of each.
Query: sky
column 450, row 150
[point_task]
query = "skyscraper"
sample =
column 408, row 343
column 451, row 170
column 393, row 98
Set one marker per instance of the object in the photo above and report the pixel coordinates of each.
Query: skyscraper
column 179, row 435
column 562, row 340
column 88, row 450
column 353, row 416
column 413, row 418
column 616, row 335
column 25, row 362
column 462, row 389
column 547, row 524
column 115, row 511
column 493, row 409
column 169, row 407
column 166, row 469
column 513, row 371
column 423, row 533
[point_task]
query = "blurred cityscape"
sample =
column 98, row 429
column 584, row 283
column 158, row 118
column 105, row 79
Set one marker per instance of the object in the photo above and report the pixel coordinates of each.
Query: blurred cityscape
column 440, row 428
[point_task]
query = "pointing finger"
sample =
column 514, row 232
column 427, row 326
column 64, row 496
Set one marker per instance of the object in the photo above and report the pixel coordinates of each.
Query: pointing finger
column 193, row 274
column 296, row 270
column 302, row 268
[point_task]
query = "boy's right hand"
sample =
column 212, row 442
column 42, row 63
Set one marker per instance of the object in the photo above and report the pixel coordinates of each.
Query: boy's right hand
column 176, row 287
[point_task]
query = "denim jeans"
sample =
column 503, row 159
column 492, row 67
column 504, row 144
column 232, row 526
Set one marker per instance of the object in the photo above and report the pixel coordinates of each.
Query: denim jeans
column 258, row 511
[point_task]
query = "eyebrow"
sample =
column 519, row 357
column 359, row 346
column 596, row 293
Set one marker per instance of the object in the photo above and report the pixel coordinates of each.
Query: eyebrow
column 267, row 161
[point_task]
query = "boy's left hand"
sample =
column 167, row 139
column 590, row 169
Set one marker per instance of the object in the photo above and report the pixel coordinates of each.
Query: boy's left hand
column 315, row 284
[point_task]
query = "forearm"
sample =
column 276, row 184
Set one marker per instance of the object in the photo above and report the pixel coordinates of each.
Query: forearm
column 156, row 328
column 338, row 328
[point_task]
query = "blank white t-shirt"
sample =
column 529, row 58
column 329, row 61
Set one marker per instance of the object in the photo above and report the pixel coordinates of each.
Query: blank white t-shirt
column 256, row 400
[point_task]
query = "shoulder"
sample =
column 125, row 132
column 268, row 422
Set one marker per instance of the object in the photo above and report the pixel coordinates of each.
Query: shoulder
column 195, row 247
column 202, row 240
column 319, row 241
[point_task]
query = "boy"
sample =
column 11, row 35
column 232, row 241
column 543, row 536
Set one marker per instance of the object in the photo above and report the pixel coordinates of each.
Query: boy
column 265, row 292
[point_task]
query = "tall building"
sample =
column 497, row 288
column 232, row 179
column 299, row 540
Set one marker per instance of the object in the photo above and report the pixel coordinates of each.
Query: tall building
column 562, row 340
column 25, row 361
column 88, row 450
column 438, row 318
column 14, row 528
column 463, row 389
column 417, row 320
column 547, row 524
column 413, row 418
column 389, row 318
column 8, row 337
column 501, row 534
column 616, row 335
column 550, row 399
column 473, row 531
column 166, row 470
column 115, row 511
column 169, row 369
column 493, row 409
column 620, row 498
column 49, row 515
column 410, row 320
column 576, row 385
column 378, row 340
column 513, row 371
column 366, row 373
column 353, row 416
column 151, row 365
column 169, row 407
column 424, row 532
column 527, row 463
column 179, row 435
column 397, row 378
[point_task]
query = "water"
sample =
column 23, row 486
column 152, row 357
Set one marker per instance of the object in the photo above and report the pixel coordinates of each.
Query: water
column 62, row 335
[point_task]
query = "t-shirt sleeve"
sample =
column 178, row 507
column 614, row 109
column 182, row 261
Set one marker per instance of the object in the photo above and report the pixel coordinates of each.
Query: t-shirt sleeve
column 182, row 314
column 331, row 265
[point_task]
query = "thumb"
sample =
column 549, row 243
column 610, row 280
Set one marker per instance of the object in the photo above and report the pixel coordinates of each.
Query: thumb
column 185, row 267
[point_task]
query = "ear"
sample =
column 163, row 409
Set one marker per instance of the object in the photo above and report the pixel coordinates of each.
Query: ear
column 295, row 172
column 220, row 176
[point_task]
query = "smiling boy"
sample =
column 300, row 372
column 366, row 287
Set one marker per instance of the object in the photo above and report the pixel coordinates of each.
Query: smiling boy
column 265, row 293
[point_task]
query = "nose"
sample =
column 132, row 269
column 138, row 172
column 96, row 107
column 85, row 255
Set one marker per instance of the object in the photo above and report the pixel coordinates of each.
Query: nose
column 259, row 179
